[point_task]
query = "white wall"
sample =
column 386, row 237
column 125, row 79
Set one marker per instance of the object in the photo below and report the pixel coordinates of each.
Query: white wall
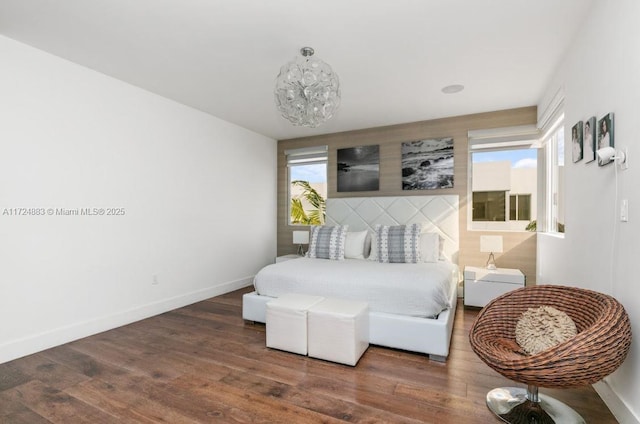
column 600, row 75
column 198, row 193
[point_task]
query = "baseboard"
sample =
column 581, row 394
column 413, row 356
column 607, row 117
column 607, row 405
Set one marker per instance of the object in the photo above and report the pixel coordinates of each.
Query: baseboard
column 617, row 407
column 35, row 343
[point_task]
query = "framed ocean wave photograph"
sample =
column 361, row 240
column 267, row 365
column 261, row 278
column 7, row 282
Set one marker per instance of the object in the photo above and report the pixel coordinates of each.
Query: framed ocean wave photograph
column 427, row 164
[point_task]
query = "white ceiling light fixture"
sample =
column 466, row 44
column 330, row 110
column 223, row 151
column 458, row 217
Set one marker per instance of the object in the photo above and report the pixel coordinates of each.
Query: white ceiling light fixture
column 307, row 91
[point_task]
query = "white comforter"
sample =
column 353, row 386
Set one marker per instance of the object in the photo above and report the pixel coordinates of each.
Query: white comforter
column 420, row 290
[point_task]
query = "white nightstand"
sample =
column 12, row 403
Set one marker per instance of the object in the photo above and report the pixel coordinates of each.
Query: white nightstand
column 482, row 285
column 287, row 257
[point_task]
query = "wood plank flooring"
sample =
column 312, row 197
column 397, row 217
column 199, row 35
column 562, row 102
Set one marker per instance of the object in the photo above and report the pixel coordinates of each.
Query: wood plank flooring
column 203, row 364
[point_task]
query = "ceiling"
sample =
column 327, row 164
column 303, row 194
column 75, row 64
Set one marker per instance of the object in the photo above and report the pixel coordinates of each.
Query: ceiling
column 393, row 57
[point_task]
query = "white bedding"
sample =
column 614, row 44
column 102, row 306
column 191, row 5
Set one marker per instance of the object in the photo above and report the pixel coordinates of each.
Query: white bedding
column 419, row 290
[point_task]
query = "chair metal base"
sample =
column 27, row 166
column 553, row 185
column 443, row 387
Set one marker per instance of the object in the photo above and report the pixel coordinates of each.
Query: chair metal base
column 516, row 405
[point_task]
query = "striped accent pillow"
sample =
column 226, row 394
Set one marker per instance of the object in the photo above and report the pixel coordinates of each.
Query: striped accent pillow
column 327, row 242
column 398, row 243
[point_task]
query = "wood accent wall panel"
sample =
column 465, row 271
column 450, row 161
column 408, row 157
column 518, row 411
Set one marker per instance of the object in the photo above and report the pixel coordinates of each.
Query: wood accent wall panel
column 520, row 248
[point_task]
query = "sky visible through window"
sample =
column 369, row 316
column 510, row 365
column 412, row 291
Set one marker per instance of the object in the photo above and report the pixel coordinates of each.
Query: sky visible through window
column 312, row 173
column 521, row 158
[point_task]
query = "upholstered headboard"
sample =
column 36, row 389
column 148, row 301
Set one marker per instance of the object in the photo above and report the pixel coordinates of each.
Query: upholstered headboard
column 435, row 213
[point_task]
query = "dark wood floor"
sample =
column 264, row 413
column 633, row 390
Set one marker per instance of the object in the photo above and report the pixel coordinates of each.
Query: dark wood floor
column 203, row 364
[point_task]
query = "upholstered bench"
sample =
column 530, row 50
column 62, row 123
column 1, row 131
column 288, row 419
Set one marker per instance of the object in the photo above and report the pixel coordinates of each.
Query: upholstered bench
column 338, row 330
column 286, row 322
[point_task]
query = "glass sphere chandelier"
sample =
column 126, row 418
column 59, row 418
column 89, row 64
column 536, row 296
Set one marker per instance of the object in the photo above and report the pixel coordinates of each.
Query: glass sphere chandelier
column 307, row 90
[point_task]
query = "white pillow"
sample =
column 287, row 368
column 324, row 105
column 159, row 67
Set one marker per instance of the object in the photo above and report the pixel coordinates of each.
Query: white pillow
column 430, row 247
column 354, row 245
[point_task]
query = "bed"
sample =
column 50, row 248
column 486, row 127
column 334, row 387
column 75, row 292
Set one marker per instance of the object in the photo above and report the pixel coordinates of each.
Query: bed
column 412, row 305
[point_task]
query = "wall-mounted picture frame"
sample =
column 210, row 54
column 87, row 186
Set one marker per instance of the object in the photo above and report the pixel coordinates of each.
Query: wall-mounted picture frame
column 359, row 168
column 576, row 142
column 605, row 135
column 427, row 164
column 589, row 140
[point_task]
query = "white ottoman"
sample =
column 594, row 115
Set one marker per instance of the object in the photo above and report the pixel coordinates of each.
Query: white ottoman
column 338, row 330
column 287, row 322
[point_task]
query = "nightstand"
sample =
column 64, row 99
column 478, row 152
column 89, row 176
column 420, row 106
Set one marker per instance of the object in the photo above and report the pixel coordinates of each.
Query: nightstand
column 287, row 257
column 482, row 285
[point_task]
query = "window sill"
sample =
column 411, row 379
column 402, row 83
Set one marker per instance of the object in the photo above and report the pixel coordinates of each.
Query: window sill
column 553, row 235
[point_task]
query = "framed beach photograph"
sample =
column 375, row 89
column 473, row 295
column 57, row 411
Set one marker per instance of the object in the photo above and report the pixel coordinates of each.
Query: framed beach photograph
column 605, row 134
column 359, row 168
column 427, row 164
column 589, row 140
column 576, row 142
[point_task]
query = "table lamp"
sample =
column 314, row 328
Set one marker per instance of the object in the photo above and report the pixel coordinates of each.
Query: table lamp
column 300, row 238
column 491, row 244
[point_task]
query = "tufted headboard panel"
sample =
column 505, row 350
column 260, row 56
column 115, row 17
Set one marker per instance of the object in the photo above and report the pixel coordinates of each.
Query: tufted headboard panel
column 435, row 213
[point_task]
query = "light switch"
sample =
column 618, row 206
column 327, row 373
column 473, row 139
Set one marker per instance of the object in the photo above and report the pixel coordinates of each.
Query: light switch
column 624, row 210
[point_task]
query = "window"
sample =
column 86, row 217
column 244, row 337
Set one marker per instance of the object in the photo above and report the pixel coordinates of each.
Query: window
column 551, row 121
column 520, row 207
column 554, row 148
column 488, row 205
column 503, row 178
column 307, row 178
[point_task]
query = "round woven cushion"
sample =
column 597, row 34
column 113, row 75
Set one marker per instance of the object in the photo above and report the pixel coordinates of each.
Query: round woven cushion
column 539, row 329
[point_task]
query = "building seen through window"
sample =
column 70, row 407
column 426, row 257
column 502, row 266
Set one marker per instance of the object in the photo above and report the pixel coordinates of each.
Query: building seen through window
column 504, row 188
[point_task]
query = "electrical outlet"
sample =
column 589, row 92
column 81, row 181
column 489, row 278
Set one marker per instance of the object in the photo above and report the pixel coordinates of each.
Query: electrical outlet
column 155, row 280
column 625, row 164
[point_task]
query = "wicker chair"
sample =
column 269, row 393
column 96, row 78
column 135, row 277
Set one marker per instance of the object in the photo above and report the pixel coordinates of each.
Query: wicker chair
column 601, row 345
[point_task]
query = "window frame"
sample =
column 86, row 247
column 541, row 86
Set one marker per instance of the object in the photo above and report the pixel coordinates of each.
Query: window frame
column 516, row 205
column 527, row 138
column 554, row 196
column 314, row 155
